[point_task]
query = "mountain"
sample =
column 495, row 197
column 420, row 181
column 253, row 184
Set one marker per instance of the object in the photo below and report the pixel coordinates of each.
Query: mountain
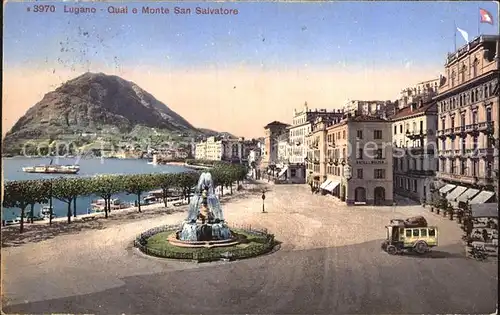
column 96, row 103
column 210, row 132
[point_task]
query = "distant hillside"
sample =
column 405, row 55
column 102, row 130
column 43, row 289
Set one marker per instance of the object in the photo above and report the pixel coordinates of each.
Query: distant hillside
column 100, row 104
column 209, row 133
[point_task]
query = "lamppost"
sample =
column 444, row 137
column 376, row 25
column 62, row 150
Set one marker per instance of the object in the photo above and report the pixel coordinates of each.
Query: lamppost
column 347, row 172
column 263, row 198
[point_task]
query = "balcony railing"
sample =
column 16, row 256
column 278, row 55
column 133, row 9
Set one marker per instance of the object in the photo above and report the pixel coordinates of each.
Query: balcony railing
column 457, row 178
column 422, row 172
column 420, row 150
column 416, row 134
column 487, row 127
column 486, row 152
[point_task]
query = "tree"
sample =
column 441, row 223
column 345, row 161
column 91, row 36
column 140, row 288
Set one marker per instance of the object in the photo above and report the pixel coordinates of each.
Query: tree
column 138, row 184
column 105, row 187
column 165, row 181
column 68, row 189
column 15, row 193
column 38, row 192
column 186, row 182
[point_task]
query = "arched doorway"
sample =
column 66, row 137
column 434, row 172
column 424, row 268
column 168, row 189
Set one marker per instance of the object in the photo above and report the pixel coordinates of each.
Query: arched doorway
column 379, row 195
column 360, row 194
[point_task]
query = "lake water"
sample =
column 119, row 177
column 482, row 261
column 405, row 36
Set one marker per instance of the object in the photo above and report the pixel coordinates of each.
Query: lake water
column 12, row 170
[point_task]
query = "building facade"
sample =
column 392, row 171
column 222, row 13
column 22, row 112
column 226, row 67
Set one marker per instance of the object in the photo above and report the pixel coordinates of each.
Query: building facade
column 467, row 122
column 273, row 132
column 218, row 149
column 298, row 132
column 359, row 161
column 316, row 161
column 422, row 91
column 414, row 150
column 381, row 109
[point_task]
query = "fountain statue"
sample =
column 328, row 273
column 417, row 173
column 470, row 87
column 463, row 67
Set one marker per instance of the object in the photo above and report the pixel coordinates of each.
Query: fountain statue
column 205, row 221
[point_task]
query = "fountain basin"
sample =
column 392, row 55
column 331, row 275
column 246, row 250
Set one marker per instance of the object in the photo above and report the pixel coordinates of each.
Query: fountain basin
column 172, row 239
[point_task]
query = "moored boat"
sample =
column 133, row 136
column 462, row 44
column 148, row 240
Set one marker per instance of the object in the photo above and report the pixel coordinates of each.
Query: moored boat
column 52, row 169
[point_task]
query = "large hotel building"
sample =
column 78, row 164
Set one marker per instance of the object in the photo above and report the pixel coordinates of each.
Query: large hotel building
column 352, row 159
column 468, row 106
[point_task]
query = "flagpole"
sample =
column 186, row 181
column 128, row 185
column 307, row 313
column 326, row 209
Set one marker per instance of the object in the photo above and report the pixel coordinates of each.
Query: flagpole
column 455, row 36
column 478, row 21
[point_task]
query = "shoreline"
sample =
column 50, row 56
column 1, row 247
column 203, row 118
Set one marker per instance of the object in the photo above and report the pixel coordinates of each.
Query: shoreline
column 41, row 230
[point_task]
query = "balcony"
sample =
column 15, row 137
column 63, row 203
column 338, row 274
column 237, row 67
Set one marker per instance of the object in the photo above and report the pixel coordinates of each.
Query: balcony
column 486, row 152
column 446, row 153
column 422, row 172
column 420, row 150
column 472, row 129
column 472, row 180
column 486, row 127
column 416, row 134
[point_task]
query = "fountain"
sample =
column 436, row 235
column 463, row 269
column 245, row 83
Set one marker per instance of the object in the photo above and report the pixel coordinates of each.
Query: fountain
column 205, row 225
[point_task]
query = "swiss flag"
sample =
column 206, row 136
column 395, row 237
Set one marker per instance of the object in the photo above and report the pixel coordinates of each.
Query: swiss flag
column 486, row 16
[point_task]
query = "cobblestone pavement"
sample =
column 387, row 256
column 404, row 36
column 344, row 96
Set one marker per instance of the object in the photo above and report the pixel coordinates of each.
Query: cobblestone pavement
column 330, row 262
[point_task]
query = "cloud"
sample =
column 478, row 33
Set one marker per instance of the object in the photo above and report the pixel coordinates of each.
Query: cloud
column 207, row 97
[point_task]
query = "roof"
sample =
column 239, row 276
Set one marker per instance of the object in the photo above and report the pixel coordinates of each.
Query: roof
column 407, row 112
column 275, row 123
column 366, row 118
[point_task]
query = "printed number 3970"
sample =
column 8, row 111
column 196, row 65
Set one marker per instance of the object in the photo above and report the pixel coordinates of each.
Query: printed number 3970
column 44, row 8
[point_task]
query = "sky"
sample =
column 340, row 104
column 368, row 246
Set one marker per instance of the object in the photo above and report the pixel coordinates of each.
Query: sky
column 236, row 73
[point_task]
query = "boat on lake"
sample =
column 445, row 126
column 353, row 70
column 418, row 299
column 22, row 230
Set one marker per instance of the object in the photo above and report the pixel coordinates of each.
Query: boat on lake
column 52, row 169
column 115, row 204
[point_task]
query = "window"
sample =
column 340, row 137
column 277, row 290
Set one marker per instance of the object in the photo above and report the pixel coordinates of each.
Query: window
column 474, row 168
column 443, row 144
column 423, row 232
column 343, row 134
column 400, row 128
column 443, row 124
column 421, row 126
column 360, row 173
column 474, row 117
column 377, row 134
column 379, row 174
column 488, row 114
column 395, row 129
column 293, row 172
column 360, row 154
column 414, row 185
column 489, row 168
column 432, row 232
column 462, row 120
column 452, row 122
column 416, row 233
column 360, row 134
column 378, row 155
column 408, row 233
column 463, row 166
column 474, row 68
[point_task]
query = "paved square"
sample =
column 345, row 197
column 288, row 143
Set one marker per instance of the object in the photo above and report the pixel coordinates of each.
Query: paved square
column 330, row 262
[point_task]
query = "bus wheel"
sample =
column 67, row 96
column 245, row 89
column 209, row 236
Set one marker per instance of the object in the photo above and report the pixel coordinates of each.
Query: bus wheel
column 392, row 250
column 421, row 247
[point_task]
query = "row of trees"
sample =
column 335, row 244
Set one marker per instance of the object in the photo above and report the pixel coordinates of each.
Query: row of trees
column 24, row 194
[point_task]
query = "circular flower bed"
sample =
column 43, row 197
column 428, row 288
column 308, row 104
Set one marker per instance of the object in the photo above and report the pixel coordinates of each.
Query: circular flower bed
column 252, row 243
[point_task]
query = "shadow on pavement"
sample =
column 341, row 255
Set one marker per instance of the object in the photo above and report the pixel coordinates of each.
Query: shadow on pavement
column 355, row 279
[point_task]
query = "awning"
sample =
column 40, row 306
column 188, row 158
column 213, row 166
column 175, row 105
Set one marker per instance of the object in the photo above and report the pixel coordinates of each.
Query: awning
column 456, row 192
column 485, row 210
column 283, row 171
column 325, row 183
column 331, row 186
column 483, row 197
column 468, row 194
column 446, row 188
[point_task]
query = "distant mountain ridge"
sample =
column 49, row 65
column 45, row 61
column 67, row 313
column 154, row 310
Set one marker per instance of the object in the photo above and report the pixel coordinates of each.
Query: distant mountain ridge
column 95, row 102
